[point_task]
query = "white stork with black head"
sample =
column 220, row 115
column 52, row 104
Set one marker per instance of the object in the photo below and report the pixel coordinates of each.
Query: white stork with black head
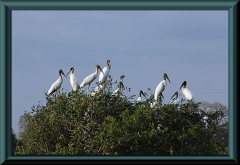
column 57, row 84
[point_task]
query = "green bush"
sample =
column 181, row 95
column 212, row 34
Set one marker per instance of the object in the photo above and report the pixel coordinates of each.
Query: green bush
column 81, row 124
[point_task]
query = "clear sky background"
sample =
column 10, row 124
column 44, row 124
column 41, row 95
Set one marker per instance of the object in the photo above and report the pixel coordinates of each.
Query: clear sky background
column 142, row 45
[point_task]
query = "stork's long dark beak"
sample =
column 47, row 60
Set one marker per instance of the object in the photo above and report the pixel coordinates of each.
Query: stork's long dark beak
column 101, row 69
column 64, row 74
column 173, row 95
column 68, row 72
column 143, row 94
column 181, row 86
column 168, row 79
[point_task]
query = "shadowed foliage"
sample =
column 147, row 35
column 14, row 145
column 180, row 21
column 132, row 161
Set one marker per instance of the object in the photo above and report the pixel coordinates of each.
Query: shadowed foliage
column 81, row 124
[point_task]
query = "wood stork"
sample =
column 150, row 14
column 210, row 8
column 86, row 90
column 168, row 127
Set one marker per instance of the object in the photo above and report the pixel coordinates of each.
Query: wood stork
column 103, row 75
column 176, row 100
column 161, row 87
column 186, row 92
column 97, row 89
column 57, row 84
column 118, row 90
column 90, row 78
column 156, row 103
column 140, row 96
column 102, row 78
column 73, row 80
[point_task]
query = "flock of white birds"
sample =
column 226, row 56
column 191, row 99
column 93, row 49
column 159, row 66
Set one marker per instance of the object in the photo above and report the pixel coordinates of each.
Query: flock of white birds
column 103, row 79
column 104, row 73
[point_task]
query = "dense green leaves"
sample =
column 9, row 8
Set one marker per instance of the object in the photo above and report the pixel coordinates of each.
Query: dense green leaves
column 81, row 124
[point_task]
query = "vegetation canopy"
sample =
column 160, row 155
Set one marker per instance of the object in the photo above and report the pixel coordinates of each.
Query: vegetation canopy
column 76, row 123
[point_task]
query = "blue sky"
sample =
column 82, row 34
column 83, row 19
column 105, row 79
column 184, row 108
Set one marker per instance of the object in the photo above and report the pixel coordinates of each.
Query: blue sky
column 142, row 45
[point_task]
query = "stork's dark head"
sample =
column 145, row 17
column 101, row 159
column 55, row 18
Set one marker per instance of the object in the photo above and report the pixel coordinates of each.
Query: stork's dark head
column 165, row 76
column 141, row 92
column 71, row 69
column 108, row 64
column 120, row 85
column 175, row 94
column 61, row 72
column 184, row 84
column 98, row 67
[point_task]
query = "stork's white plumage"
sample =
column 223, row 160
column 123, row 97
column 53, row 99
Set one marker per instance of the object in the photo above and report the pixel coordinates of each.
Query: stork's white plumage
column 106, row 71
column 57, row 84
column 175, row 100
column 186, row 92
column 155, row 103
column 152, row 105
column 73, row 80
column 90, row 78
column 102, row 78
column 118, row 90
column 161, row 87
column 139, row 99
column 97, row 89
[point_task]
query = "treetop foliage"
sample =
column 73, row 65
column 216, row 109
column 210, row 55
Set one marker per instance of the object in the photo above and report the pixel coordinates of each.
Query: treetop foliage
column 75, row 123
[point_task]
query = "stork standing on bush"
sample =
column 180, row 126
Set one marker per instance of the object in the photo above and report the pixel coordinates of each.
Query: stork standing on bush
column 90, row 78
column 119, row 89
column 105, row 73
column 186, row 92
column 102, row 77
column 139, row 99
column 57, row 84
column 161, row 87
column 175, row 100
column 73, row 80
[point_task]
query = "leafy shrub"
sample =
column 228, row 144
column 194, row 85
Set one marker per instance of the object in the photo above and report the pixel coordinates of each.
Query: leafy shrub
column 81, row 124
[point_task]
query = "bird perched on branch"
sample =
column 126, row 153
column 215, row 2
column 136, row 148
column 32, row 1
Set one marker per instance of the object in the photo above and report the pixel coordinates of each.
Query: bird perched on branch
column 139, row 99
column 175, row 100
column 102, row 78
column 90, row 78
column 161, row 87
column 57, row 84
column 186, row 92
column 119, row 89
column 73, row 80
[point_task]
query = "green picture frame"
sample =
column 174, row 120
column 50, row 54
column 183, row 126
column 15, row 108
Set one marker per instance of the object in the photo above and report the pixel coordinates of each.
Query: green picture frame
column 6, row 7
